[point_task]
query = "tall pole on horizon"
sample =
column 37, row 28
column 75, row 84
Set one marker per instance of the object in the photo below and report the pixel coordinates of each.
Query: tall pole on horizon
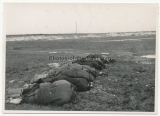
column 76, row 16
column 76, row 27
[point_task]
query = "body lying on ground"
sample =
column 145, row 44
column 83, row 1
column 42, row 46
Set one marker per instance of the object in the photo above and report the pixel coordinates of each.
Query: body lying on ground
column 58, row 85
column 81, row 76
column 56, row 93
column 96, row 61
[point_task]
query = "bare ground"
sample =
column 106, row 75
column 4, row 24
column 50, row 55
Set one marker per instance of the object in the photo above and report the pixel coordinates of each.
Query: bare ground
column 130, row 86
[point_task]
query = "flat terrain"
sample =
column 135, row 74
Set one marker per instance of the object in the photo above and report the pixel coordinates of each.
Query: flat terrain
column 130, row 85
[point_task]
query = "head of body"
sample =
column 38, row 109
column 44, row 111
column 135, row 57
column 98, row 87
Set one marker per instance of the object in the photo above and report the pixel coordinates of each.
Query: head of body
column 109, row 60
column 105, row 59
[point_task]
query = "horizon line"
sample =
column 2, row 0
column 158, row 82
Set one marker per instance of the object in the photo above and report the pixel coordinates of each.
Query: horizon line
column 78, row 33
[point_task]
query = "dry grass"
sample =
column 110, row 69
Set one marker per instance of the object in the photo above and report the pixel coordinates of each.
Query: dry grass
column 129, row 86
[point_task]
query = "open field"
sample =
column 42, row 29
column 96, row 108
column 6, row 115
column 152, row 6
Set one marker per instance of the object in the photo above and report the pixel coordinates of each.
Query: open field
column 130, row 85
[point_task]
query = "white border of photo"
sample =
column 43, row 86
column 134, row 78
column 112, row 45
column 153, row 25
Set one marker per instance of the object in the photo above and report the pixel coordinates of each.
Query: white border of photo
column 78, row 113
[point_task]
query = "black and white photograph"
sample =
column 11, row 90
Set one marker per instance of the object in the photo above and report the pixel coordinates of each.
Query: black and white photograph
column 80, row 57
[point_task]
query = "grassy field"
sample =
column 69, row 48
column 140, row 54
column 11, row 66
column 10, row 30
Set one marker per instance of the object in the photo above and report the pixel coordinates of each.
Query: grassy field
column 130, row 86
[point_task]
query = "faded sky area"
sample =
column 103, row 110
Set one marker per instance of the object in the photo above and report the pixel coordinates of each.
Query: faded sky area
column 53, row 18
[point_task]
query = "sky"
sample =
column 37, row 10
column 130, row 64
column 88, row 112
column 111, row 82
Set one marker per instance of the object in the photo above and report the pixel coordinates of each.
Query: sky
column 55, row 18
